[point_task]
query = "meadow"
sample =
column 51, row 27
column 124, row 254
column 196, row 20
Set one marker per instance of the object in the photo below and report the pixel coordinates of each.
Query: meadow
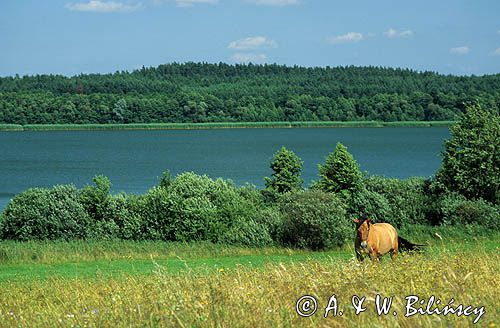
column 153, row 284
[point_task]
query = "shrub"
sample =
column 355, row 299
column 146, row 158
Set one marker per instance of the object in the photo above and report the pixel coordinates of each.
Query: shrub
column 407, row 200
column 373, row 204
column 194, row 208
column 119, row 220
column 95, row 199
column 458, row 211
column 40, row 213
column 129, row 218
column 314, row 219
column 156, row 215
column 246, row 233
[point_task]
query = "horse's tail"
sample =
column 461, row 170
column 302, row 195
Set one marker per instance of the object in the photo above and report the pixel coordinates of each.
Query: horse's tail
column 406, row 245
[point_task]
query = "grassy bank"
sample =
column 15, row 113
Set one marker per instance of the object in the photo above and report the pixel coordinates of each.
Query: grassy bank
column 216, row 125
column 45, row 259
column 240, row 287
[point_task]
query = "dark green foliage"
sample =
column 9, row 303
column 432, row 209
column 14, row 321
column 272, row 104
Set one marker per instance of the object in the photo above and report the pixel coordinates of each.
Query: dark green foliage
column 459, row 211
column 314, row 219
column 166, row 179
column 110, row 215
column 194, row 207
column 286, row 177
column 96, row 199
column 340, row 173
column 371, row 203
column 201, row 92
column 46, row 214
column 121, row 218
column 156, row 215
column 471, row 159
column 246, row 233
column 407, row 199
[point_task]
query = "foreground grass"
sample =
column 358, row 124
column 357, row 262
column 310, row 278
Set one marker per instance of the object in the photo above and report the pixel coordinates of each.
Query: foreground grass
column 216, row 125
column 246, row 296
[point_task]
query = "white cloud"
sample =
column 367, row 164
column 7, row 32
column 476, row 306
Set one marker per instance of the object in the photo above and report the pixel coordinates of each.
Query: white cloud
column 252, row 43
column 346, row 38
column 393, row 33
column 191, row 3
column 278, row 3
column 464, row 50
column 249, row 58
column 496, row 52
column 406, row 33
column 102, row 6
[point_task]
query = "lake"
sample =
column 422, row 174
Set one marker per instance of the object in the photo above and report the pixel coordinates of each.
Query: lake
column 134, row 160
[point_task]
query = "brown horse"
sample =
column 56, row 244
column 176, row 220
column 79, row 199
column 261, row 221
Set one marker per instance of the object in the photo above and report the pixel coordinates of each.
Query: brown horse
column 378, row 239
column 375, row 239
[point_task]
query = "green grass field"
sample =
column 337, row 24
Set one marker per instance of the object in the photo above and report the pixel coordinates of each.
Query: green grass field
column 156, row 284
column 216, row 125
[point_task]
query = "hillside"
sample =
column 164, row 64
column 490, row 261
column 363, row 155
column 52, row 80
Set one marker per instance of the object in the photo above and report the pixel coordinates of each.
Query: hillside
column 201, row 92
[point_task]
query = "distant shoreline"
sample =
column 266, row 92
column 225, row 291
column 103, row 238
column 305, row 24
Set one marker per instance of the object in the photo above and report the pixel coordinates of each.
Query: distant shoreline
column 218, row 125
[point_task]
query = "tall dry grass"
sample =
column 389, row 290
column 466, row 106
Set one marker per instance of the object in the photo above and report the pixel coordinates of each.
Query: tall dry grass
column 260, row 297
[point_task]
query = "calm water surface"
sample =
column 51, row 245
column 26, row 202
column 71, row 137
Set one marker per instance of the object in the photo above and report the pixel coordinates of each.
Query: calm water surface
column 133, row 160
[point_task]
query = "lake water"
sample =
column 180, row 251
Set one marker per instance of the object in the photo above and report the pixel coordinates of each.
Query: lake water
column 133, row 160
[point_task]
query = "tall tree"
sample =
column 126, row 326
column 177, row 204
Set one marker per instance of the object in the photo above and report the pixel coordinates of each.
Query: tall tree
column 286, row 177
column 471, row 159
column 340, row 173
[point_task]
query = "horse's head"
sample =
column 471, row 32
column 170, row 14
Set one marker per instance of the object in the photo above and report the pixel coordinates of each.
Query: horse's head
column 362, row 229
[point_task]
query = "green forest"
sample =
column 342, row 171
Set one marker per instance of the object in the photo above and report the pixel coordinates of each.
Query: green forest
column 202, row 92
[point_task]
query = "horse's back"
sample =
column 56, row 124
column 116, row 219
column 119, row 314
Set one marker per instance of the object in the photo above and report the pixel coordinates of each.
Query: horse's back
column 387, row 234
column 386, row 227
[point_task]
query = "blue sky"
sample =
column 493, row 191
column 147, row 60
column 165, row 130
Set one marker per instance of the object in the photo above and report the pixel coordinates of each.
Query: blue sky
column 81, row 36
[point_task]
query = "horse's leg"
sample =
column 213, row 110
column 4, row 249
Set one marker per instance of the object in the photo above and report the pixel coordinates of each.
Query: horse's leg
column 374, row 256
column 357, row 248
column 395, row 250
column 394, row 254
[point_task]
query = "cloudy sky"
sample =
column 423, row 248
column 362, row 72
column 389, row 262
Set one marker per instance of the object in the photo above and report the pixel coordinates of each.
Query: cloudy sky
column 81, row 36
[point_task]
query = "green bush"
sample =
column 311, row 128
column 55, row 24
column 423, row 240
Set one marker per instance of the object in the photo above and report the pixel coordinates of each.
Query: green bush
column 156, row 215
column 246, row 233
column 314, row 219
column 118, row 220
column 373, row 204
column 130, row 217
column 40, row 213
column 194, row 208
column 95, row 199
column 407, row 199
column 458, row 211
column 111, row 216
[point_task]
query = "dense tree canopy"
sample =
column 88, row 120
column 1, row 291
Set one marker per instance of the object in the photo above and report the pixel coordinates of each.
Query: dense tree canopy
column 471, row 159
column 201, row 92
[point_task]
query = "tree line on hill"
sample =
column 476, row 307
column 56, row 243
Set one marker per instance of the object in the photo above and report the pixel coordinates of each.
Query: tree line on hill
column 201, row 92
column 463, row 194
